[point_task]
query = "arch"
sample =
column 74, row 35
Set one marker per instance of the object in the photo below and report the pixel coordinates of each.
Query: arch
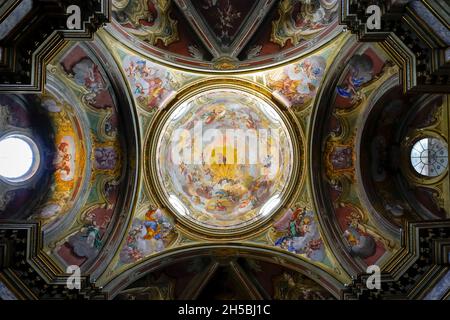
column 223, row 251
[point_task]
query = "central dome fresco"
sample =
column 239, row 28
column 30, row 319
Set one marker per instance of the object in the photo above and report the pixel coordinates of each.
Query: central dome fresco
column 224, row 159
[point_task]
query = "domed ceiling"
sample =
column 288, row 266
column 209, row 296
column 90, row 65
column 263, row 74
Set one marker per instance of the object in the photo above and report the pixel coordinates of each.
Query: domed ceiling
column 254, row 141
column 210, row 176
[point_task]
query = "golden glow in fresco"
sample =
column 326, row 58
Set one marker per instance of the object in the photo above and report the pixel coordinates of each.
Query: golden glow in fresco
column 214, row 176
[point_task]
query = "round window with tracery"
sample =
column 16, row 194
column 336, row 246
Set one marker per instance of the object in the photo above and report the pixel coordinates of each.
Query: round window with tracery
column 429, row 157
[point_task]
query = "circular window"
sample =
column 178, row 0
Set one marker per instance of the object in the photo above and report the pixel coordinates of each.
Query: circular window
column 224, row 159
column 18, row 158
column 429, row 157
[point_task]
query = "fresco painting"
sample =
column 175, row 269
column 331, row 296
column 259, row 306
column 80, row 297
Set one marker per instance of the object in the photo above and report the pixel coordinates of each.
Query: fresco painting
column 150, row 83
column 149, row 234
column 361, row 69
column 67, row 164
column 298, row 83
column 297, row 231
column 222, row 191
column 362, row 241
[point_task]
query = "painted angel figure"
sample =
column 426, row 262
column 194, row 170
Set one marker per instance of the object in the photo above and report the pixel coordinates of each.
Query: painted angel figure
column 315, row 14
column 63, row 159
column 87, row 74
column 361, row 245
column 302, row 235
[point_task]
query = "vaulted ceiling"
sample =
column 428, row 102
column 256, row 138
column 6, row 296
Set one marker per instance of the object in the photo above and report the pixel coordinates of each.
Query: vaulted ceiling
column 224, row 35
column 362, row 178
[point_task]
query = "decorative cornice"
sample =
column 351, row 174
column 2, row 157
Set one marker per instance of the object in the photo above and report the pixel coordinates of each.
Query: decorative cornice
column 407, row 38
column 43, row 32
column 33, row 273
column 424, row 256
column 35, row 276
